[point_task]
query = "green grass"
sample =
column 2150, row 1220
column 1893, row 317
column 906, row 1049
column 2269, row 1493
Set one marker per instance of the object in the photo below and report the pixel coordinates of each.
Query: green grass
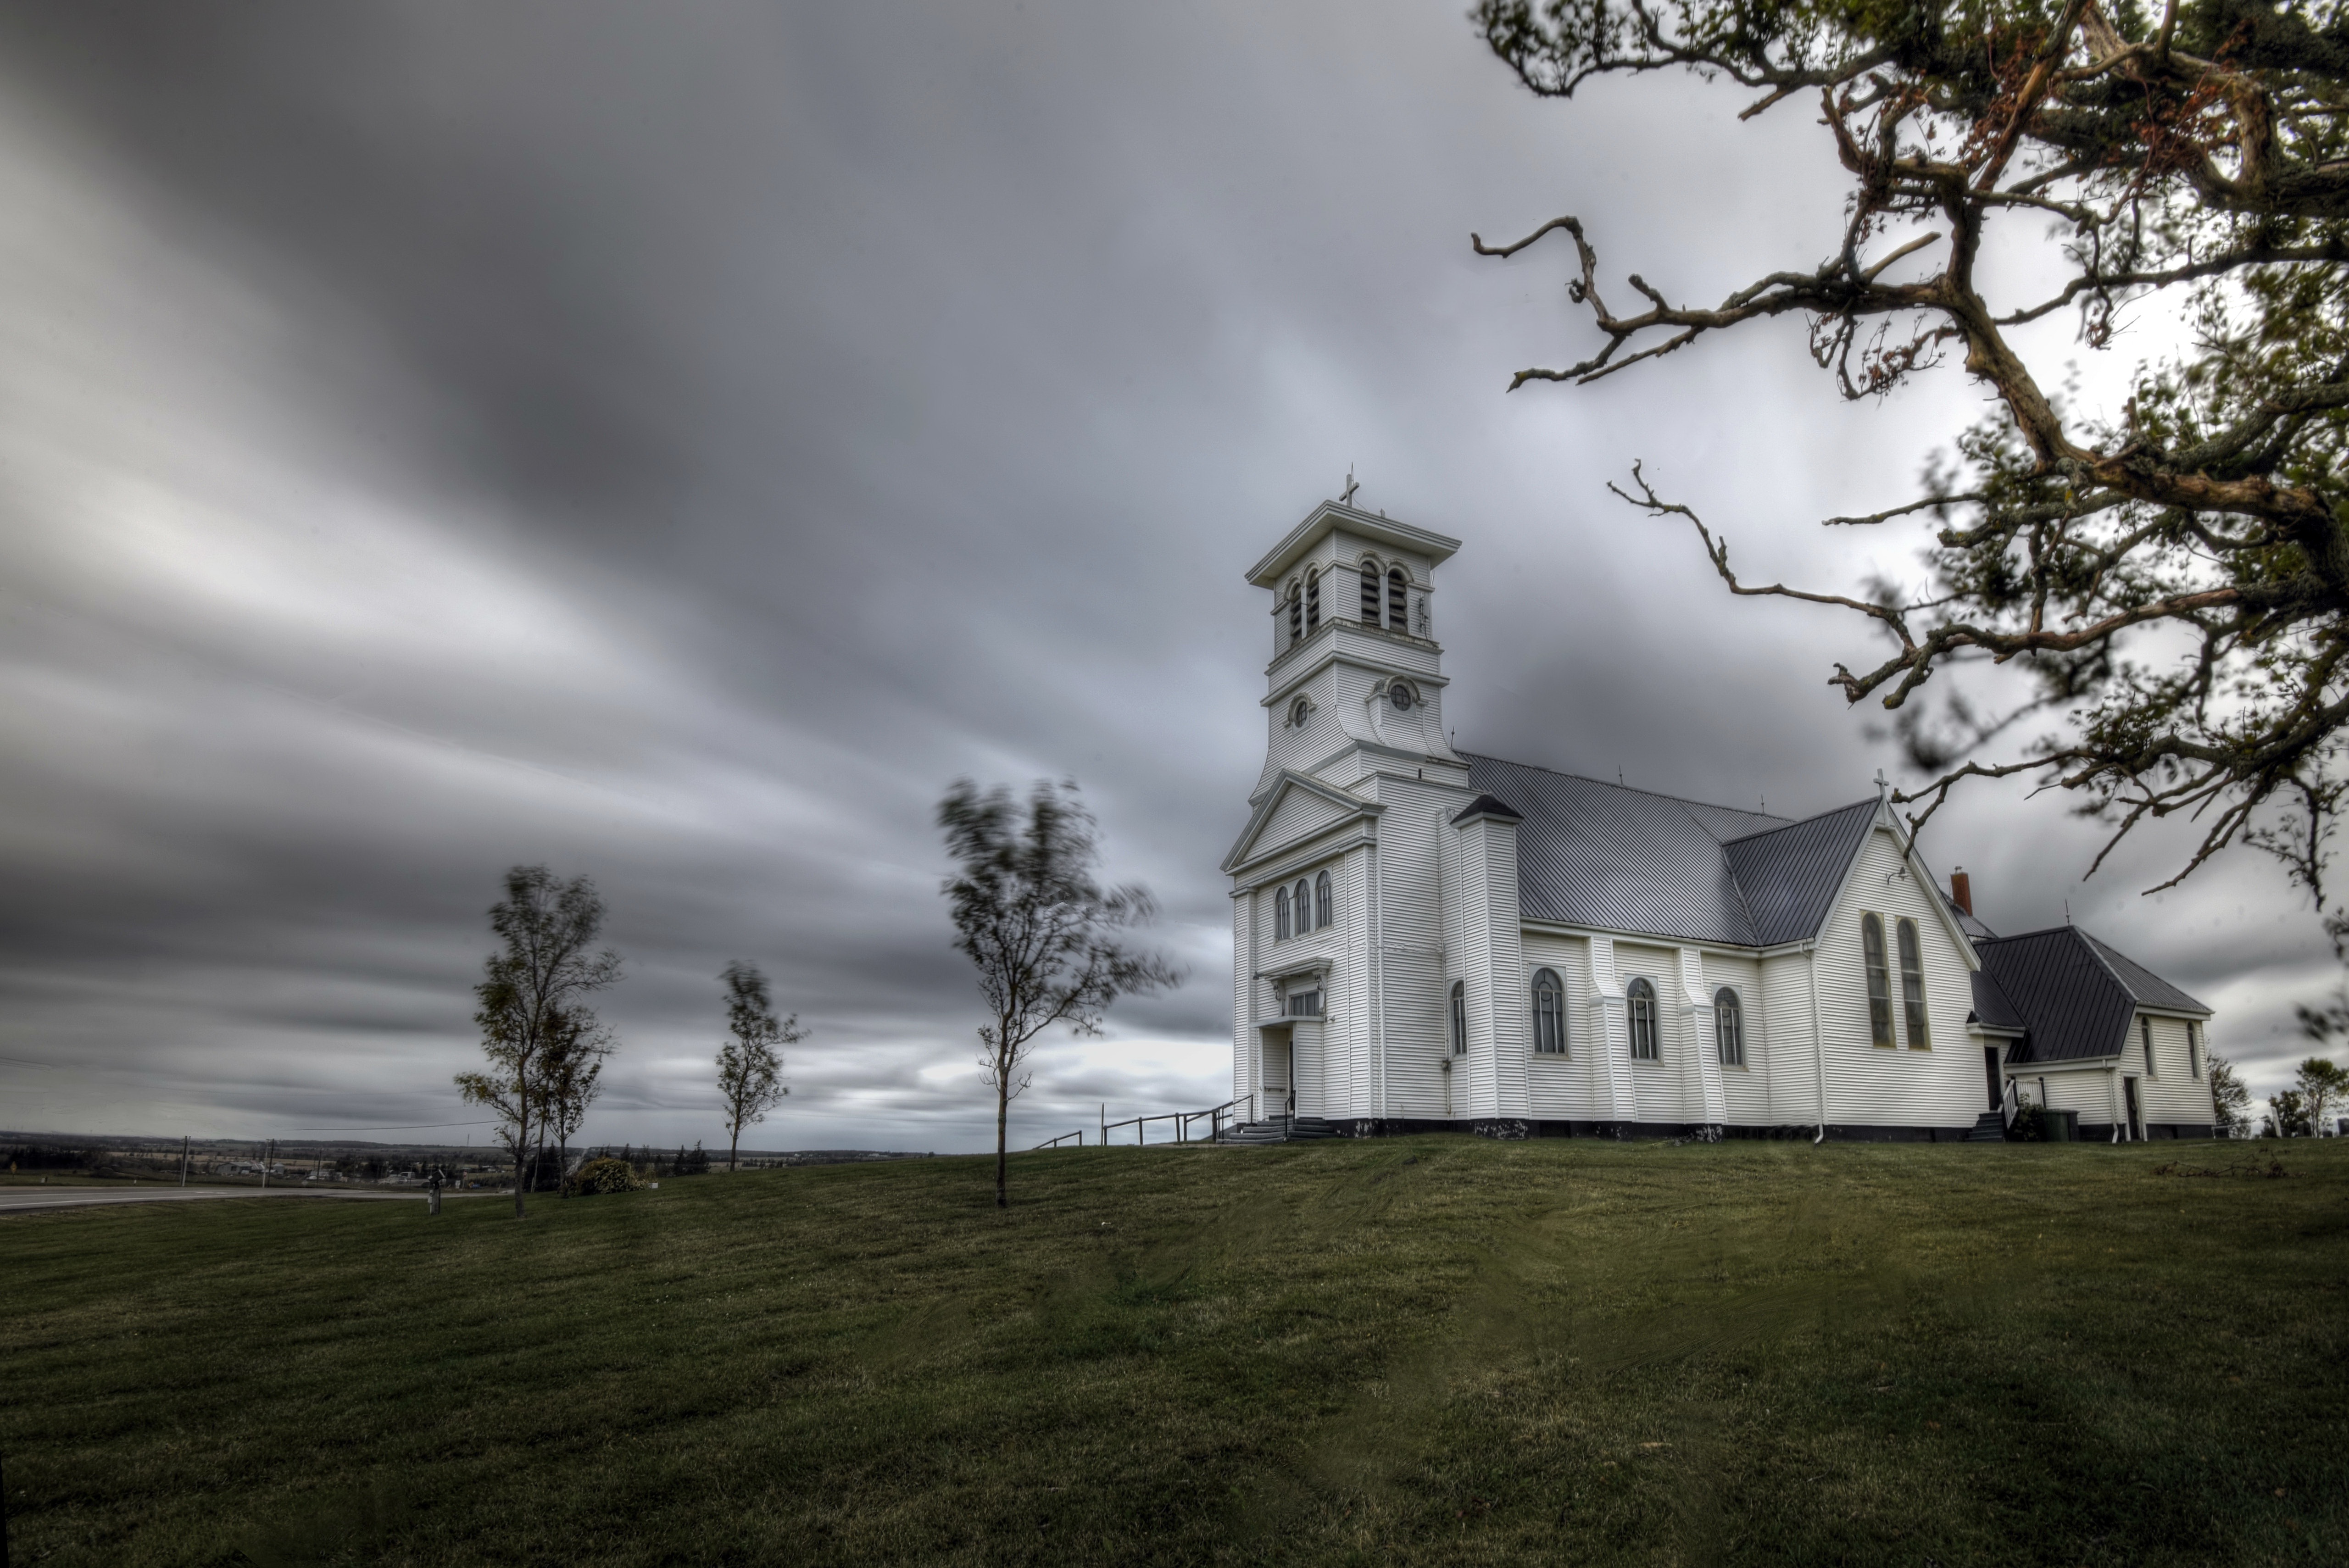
column 1431, row 1350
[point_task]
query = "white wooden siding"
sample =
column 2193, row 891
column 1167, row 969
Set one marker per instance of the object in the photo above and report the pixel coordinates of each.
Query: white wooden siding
column 1563, row 1089
column 1869, row 1085
column 2172, row 1094
column 1746, row 1089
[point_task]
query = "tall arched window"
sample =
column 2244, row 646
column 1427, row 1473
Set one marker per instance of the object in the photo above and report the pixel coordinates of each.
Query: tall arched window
column 1639, row 1017
column 2194, row 1049
column 1459, row 1018
column 1296, row 614
column 1912, row 988
column 1370, row 593
column 1312, row 602
column 1304, row 897
column 1549, row 1013
column 1398, row 600
column 1280, row 915
column 1729, row 1027
column 1322, row 912
column 2144, row 1033
column 1879, row 980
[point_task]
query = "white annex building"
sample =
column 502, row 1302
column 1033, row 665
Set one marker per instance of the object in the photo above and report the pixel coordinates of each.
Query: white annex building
column 1427, row 939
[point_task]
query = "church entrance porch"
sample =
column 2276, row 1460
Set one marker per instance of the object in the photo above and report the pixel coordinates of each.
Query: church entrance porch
column 1280, row 1074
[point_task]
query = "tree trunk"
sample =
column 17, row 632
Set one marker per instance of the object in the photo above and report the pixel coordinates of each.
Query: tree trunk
column 733, row 1145
column 1002, row 1120
column 521, row 1152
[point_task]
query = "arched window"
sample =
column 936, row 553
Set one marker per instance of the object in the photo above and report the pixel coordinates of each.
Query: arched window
column 1398, row 600
column 2144, row 1033
column 1295, row 614
column 1879, row 980
column 1304, row 897
column 1312, row 602
column 1549, row 1013
column 1729, row 1027
column 1370, row 593
column 1912, row 988
column 1322, row 912
column 1639, row 1017
column 1459, row 1018
column 2194, row 1049
column 1280, row 915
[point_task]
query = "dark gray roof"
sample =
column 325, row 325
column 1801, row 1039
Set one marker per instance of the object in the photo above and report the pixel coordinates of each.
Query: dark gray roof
column 2075, row 994
column 1790, row 874
column 2150, row 990
column 1992, row 1010
column 1486, row 806
column 1602, row 855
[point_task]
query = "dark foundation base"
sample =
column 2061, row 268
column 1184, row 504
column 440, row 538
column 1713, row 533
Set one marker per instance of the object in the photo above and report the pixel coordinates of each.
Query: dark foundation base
column 1512, row 1127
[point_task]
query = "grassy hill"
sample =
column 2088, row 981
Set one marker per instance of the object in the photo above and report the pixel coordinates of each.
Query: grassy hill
column 1428, row 1350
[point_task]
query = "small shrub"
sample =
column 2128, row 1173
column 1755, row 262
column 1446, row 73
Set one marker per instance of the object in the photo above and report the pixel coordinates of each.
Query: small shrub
column 2025, row 1127
column 607, row 1175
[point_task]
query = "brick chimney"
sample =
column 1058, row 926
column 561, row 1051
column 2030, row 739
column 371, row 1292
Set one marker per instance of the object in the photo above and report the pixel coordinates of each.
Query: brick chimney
column 1961, row 890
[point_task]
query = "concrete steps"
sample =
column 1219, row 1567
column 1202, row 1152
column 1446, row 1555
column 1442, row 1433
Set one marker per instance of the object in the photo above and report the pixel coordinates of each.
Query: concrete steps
column 1281, row 1130
column 1989, row 1127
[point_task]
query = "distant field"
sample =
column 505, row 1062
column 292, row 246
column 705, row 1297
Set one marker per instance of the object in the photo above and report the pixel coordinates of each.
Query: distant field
column 1432, row 1350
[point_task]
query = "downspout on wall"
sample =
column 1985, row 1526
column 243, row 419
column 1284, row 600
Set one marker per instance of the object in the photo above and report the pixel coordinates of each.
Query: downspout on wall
column 1818, row 1045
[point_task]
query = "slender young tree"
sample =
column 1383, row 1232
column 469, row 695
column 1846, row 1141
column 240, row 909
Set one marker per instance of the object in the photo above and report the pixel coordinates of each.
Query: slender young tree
column 2164, row 585
column 574, row 1077
column 1043, row 935
column 749, row 1067
column 533, row 1007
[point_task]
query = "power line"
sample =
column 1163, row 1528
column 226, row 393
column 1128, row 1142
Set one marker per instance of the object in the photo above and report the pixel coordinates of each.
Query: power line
column 417, row 1127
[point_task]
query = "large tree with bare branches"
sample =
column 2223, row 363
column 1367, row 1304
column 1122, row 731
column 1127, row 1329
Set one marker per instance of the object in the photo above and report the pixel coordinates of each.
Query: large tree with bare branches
column 2171, row 582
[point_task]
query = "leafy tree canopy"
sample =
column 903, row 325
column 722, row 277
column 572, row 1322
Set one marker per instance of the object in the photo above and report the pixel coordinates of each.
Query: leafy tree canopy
column 2171, row 579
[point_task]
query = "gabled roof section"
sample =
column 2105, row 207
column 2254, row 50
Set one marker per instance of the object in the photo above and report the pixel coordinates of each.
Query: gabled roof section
column 2146, row 988
column 1992, row 1009
column 1287, row 780
column 1486, row 806
column 2076, row 1007
column 1791, row 874
column 1438, row 547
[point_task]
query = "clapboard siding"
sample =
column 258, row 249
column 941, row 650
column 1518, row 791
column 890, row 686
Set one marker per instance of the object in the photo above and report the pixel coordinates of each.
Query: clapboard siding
column 1656, row 1086
column 1412, row 950
column 1746, row 1089
column 1300, row 815
column 1794, row 1073
column 1899, row 1086
column 1562, row 1089
column 2171, row 1093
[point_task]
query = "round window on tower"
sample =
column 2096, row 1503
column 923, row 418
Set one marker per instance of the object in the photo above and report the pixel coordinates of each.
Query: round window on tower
column 1299, row 712
column 1402, row 695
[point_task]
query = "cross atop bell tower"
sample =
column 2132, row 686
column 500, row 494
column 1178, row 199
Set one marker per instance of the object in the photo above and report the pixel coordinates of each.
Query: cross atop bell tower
column 1355, row 663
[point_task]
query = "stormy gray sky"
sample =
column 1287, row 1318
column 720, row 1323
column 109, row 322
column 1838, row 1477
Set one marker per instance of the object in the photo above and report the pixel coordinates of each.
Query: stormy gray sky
column 672, row 443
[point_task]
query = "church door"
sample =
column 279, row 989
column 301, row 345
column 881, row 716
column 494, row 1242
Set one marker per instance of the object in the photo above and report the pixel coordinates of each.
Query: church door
column 1280, row 1097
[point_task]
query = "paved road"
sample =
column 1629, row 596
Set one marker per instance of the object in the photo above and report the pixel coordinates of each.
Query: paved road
column 21, row 1198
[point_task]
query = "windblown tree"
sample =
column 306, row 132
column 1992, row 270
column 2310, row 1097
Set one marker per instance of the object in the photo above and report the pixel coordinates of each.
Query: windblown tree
column 749, row 1067
column 2230, row 1100
column 533, row 1015
column 575, row 1077
column 2168, row 583
column 1045, row 936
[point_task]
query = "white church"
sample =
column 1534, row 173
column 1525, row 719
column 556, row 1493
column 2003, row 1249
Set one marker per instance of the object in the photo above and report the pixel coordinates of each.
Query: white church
column 1427, row 940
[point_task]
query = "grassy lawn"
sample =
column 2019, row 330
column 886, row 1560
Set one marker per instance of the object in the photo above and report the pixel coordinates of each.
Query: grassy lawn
column 1430, row 1350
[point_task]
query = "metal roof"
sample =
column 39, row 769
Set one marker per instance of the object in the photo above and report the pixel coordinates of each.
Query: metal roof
column 2075, row 994
column 1992, row 1010
column 1612, row 858
column 2150, row 990
column 1486, row 806
column 1791, row 874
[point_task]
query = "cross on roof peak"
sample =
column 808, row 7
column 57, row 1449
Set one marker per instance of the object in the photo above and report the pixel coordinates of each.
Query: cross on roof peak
column 1348, row 495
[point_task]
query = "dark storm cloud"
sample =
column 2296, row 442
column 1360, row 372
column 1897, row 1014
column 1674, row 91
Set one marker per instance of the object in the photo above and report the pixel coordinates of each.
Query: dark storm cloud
column 672, row 444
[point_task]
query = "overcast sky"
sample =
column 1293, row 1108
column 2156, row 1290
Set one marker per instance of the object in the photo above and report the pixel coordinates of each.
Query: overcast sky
column 672, row 443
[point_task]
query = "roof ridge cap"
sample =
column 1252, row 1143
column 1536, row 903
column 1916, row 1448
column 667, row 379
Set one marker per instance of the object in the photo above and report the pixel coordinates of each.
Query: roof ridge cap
column 1799, row 821
column 1681, row 800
